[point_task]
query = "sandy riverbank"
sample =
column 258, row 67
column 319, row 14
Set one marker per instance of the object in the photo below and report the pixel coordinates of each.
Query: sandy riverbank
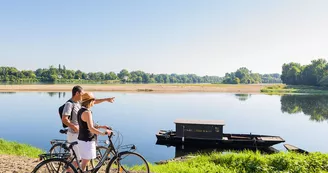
column 139, row 88
column 17, row 164
column 21, row 164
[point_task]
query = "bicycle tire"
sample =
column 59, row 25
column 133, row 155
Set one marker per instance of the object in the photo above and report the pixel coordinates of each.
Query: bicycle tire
column 48, row 166
column 116, row 164
column 100, row 151
column 59, row 148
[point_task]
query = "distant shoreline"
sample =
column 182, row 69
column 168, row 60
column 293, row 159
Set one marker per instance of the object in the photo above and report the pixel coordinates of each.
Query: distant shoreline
column 166, row 88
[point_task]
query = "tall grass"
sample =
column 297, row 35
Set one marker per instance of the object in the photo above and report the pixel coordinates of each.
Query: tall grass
column 14, row 148
column 247, row 161
column 278, row 89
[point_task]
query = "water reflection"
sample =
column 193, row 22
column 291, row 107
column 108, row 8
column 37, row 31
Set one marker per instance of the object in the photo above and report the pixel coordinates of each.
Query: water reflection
column 51, row 94
column 243, row 97
column 315, row 106
column 7, row 92
column 60, row 94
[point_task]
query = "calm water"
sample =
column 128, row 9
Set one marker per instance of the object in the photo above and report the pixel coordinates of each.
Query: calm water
column 300, row 119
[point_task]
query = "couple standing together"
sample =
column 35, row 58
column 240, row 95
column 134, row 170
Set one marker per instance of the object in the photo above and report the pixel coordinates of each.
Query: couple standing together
column 77, row 115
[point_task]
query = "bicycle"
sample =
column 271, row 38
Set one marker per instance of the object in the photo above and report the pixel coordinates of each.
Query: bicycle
column 60, row 146
column 118, row 163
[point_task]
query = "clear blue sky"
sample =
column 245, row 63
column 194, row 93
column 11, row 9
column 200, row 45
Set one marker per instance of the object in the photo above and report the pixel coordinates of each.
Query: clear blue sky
column 208, row 37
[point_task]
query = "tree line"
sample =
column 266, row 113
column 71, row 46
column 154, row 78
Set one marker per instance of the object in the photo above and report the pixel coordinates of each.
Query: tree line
column 246, row 76
column 62, row 74
column 315, row 74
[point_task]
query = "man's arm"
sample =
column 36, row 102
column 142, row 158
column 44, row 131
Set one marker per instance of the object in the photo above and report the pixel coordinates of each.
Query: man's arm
column 68, row 123
column 97, row 101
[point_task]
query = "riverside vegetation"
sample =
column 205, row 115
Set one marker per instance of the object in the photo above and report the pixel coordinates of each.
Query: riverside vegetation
column 281, row 89
column 225, row 162
column 248, row 161
column 62, row 75
column 314, row 74
column 15, row 148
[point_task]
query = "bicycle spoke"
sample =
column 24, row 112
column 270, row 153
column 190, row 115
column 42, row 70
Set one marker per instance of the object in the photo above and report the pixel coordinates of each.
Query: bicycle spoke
column 58, row 148
column 129, row 162
column 52, row 166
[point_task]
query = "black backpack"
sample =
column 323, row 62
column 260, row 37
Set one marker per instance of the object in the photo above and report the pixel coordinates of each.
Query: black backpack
column 61, row 109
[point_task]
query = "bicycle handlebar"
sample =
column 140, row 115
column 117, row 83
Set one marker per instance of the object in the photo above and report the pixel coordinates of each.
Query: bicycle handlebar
column 110, row 136
column 64, row 131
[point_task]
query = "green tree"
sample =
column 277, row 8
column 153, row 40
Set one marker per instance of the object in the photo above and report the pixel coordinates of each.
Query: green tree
column 146, row 78
column 78, row 74
column 123, row 75
column 236, row 80
column 113, row 76
column 59, row 69
column 291, row 73
column 243, row 74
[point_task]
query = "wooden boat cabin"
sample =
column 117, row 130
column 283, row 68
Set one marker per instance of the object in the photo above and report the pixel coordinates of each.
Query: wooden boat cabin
column 199, row 128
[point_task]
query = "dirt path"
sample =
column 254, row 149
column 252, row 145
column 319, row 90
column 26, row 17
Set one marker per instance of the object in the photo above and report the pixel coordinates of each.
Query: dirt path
column 16, row 164
column 19, row 164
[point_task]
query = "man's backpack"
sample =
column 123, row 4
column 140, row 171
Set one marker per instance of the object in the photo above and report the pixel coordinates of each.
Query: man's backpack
column 61, row 109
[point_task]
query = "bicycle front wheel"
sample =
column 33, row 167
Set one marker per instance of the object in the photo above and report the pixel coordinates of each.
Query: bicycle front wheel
column 127, row 162
column 101, row 150
column 53, row 165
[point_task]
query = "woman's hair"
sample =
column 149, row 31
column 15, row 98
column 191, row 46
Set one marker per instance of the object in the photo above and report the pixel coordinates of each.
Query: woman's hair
column 87, row 103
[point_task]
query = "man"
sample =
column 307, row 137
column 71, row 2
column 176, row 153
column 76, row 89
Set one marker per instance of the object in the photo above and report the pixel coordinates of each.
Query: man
column 72, row 108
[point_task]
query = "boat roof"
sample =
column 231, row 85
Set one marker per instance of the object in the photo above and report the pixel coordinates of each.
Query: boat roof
column 200, row 122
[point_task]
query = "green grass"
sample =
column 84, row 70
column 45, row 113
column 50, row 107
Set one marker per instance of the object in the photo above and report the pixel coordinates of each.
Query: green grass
column 247, row 161
column 227, row 162
column 14, row 148
column 281, row 89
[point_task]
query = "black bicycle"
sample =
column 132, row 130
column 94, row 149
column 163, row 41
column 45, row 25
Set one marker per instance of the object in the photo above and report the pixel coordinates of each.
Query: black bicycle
column 61, row 146
column 126, row 161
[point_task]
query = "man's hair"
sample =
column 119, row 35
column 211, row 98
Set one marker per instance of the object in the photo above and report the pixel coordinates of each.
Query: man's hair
column 76, row 89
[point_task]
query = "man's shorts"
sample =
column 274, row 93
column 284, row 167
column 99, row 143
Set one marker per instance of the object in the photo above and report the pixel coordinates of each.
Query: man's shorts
column 72, row 137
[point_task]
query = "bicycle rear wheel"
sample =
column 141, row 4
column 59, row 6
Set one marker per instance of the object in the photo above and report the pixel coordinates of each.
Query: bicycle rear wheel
column 128, row 162
column 54, row 165
column 59, row 148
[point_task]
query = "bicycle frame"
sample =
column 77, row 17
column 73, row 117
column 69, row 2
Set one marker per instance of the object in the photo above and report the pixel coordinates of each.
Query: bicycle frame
column 103, row 159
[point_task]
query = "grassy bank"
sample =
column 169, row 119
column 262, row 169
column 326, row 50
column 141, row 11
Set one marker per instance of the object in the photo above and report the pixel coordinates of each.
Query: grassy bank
column 231, row 162
column 281, row 89
column 248, row 162
column 14, row 148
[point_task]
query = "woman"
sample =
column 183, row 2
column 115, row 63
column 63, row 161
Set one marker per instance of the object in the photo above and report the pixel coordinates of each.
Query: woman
column 87, row 130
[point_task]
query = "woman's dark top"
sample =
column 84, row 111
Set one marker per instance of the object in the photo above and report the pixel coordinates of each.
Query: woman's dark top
column 84, row 132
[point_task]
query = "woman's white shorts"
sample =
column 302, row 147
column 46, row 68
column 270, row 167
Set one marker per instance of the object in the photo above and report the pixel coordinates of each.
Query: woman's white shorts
column 87, row 149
